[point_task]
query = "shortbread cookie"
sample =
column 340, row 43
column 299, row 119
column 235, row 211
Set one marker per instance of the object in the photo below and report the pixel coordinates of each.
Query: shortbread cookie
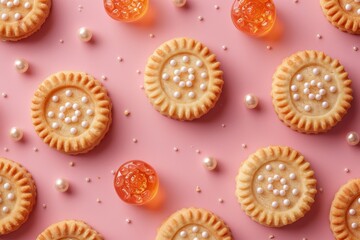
column 183, row 79
column 311, row 92
column 17, row 195
column 343, row 14
column 345, row 212
column 21, row 18
column 71, row 111
column 69, row 230
column 275, row 186
column 193, row 223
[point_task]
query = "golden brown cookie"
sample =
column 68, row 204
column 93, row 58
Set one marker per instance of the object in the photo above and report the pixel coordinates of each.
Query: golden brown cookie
column 311, row 92
column 193, row 224
column 69, row 230
column 343, row 14
column 345, row 212
column 183, row 80
column 21, row 18
column 275, row 186
column 71, row 111
column 17, row 195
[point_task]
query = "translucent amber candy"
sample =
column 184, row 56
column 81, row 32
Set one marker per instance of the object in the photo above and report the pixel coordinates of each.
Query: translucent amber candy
column 254, row 17
column 126, row 10
column 136, row 182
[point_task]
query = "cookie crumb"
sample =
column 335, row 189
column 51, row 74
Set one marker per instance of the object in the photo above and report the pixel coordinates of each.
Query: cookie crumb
column 138, row 71
column 6, row 149
column 198, row 189
column 176, row 149
column 296, row 1
column 268, row 47
column 201, row 18
column 87, row 179
column 119, row 59
column 44, row 206
column 103, row 77
column 346, row 170
column 318, row 36
column 112, row 172
column 216, row 7
column 355, row 48
column 128, row 220
column 271, row 236
column 224, row 47
column 71, row 164
column 142, row 87
column 36, row 149
column 126, row 113
column 304, row 238
column 223, row 125
column 243, row 145
column 98, row 200
column 221, row 200
column 4, row 95
column 61, row 41
column 197, row 151
column 151, row 35
column 135, row 140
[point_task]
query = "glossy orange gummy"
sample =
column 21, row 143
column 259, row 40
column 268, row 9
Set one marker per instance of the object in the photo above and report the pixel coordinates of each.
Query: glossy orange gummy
column 136, row 182
column 126, row 10
column 254, row 17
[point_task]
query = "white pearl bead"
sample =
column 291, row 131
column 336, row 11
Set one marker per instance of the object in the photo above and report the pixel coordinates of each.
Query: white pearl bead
column 348, row 7
column 259, row 190
column 4, row 17
column 17, row 16
column 68, row 93
column 204, row 75
column 354, row 225
column 332, row 89
column 89, row 112
column 172, row 62
column 195, row 229
column 191, row 70
column 177, row 72
column 16, row 133
column 292, row 176
column 21, row 65
column 183, row 234
column 84, row 99
column 203, row 86
column 75, row 106
column 84, row 124
column 176, row 79
column 268, row 167
column 27, row 5
column 286, row 202
column 185, row 59
column 5, row 209
column 165, row 76
column 73, row 131
column 191, row 94
column 260, row 177
column 62, row 185
column 274, row 204
column 51, row 114
column 307, row 108
column 205, row 234
column 11, row 196
column 296, row 97
column 85, row 34
column 183, row 69
column 55, row 99
column 251, row 101
column 352, row 212
column 299, row 77
column 55, row 125
column 210, row 163
column 327, row 78
column 199, row 63
column 325, row 104
column 316, row 71
column 189, row 83
column 295, row 192
column 182, row 84
column 191, row 77
column 177, row 94
column 353, row 139
column 179, row 3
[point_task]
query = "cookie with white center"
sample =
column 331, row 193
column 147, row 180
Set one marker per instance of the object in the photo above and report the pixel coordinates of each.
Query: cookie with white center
column 345, row 212
column 183, row 79
column 311, row 92
column 193, row 224
column 343, row 14
column 17, row 195
column 21, row 18
column 70, row 229
column 275, row 186
column 71, row 111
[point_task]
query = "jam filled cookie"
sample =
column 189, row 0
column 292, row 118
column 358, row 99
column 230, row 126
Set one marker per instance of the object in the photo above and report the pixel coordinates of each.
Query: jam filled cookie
column 311, row 92
column 343, row 14
column 69, row 229
column 275, row 186
column 345, row 212
column 18, row 195
column 21, row 18
column 193, row 223
column 183, row 79
column 71, row 111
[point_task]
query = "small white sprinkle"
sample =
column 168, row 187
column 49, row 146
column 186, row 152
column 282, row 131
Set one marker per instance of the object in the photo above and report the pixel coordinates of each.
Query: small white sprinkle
column 84, row 124
column 224, row 47
column 183, row 69
column 9, row 4
column 185, row 59
column 270, row 180
column 51, row 114
column 183, row 234
column 176, row 149
column 74, row 119
column 10, row 196
column 352, row 212
column 191, row 70
column 191, row 77
column 358, row 11
column 282, row 192
column 84, row 99
column 325, row 104
column 55, row 99
column 327, row 78
column 270, row 187
column 7, row 186
column 295, row 192
column 296, row 97
column 354, row 225
column 189, row 83
column 216, row 7
column 89, row 112
column 177, row 94
column 27, row 5
column 286, row 202
column 176, row 79
column 191, row 94
column 348, row 7
column 322, row 92
column 77, row 113
column 283, row 181
column 316, row 71
column 127, row 220
column 307, row 108
column 195, row 229
column 318, row 97
column 268, row 47
column 276, row 192
column 306, row 91
column 68, row 105
column 203, row 86
column 286, row 187
column 73, row 131
column 299, row 77
column 268, row 167
column 62, row 109
column 61, row 115
column 205, row 234
column 292, row 176
column 355, row 48
column 294, row 88
column 318, row 36
column 311, row 96
column 135, row 140
column 182, row 84
column 199, row 63
column 119, row 59
column 259, row 190
column 172, row 62
column 320, row 85
column 282, row 166
column 275, row 204
column 151, row 35
column 17, row 16
column 177, row 72
column 4, row 17
column 333, row 89
column 260, row 178
column 68, row 93
column 5, row 209
column 67, row 120
column 75, row 106
column 55, row 125
column 313, row 82
column 276, row 177
column 306, row 85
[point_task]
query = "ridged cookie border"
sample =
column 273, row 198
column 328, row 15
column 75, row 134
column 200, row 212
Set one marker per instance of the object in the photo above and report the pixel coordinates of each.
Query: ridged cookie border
column 337, row 16
column 152, row 80
column 281, row 98
column 244, row 191
column 196, row 216
column 339, row 209
column 27, row 26
column 70, row 228
column 25, row 195
column 102, row 117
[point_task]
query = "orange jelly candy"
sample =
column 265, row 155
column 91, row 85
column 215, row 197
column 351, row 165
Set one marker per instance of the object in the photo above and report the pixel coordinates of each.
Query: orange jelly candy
column 136, row 182
column 126, row 10
column 254, row 17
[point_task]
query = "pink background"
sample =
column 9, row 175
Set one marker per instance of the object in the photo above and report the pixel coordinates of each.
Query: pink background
column 248, row 67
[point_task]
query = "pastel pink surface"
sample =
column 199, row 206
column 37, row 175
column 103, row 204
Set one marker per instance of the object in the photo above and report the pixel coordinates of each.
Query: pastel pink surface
column 248, row 68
